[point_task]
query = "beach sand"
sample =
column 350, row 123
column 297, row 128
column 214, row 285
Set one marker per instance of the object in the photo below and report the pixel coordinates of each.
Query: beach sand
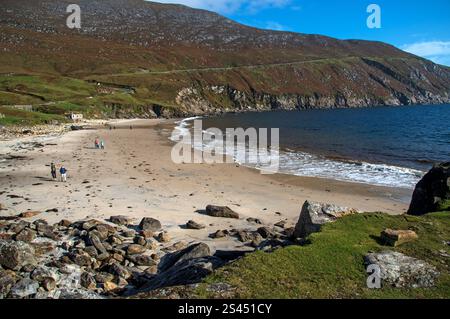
column 134, row 176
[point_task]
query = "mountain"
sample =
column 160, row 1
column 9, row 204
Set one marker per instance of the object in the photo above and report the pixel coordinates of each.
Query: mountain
column 139, row 58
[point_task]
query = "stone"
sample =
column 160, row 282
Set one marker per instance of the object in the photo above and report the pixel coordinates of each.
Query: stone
column 119, row 270
column 7, row 281
column 102, row 277
column 219, row 234
column 41, row 272
column 96, row 242
column 313, row 215
column 129, row 233
column 431, row 191
column 115, row 240
column 248, row 236
column 135, row 249
column 24, row 288
column 397, row 237
column 401, row 271
column 281, row 224
column 254, row 221
column 109, row 286
column 194, row 225
column 15, row 255
column 149, row 223
column 142, row 260
column 120, row 220
column 139, row 240
column 29, row 214
column 265, row 232
column 221, row 211
column 87, row 281
column 81, row 259
column 27, row 235
column 194, row 251
column 88, row 225
column 65, row 223
column 163, row 237
column 147, row 234
column 48, row 284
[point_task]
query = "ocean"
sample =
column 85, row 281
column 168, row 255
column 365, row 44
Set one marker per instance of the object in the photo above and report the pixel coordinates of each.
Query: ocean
column 386, row 146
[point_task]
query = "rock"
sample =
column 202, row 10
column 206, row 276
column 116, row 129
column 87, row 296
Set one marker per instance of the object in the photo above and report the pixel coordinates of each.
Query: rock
column 120, row 220
column 102, row 277
column 431, row 191
column 29, row 214
column 81, row 259
column 7, row 281
column 163, row 237
column 41, row 272
column 314, row 215
column 194, row 225
column 119, row 270
column 96, row 242
column 27, row 235
column 139, row 240
column 219, row 234
column 65, row 223
column 115, row 240
column 194, row 251
column 402, row 271
column 142, row 260
column 265, row 232
column 87, row 281
column 109, row 286
column 15, row 255
column 248, row 236
column 48, row 284
column 254, row 221
column 281, row 224
column 88, row 225
column 185, row 272
column 24, row 288
column 221, row 211
column 135, row 249
column 149, row 223
column 147, row 234
column 129, row 233
column 397, row 237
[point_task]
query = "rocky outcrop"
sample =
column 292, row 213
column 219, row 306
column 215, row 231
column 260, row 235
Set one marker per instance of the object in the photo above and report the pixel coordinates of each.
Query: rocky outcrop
column 432, row 191
column 401, row 271
column 151, row 224
column 313, row 215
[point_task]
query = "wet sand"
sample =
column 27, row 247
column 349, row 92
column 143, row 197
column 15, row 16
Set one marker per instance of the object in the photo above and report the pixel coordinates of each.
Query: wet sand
column 135, row 176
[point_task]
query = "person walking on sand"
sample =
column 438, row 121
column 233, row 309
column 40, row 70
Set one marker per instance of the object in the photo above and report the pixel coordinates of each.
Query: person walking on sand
column 53, row 170
column 63, row 172
column 102, row 144
column 97, row 145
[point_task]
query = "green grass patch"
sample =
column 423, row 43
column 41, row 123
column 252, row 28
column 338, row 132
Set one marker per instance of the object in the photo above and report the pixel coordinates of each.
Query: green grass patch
column 332, row 265
column 21, row 117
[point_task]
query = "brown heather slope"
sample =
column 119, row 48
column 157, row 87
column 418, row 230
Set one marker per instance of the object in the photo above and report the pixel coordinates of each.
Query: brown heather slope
column 182, row 61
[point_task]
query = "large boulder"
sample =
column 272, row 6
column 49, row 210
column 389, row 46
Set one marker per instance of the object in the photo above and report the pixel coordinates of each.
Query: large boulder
column 151, row 224
column 402, row 271
column 432, row 191
column 192, row 252
column 16, row 254
column 314, row 215
column 221, row 211
column 120, row 220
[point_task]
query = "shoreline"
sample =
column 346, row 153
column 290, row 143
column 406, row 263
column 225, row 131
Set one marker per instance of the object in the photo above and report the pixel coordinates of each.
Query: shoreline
column 134, row 176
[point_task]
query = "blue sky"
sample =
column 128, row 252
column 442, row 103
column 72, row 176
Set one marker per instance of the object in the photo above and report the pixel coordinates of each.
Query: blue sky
column 417, row 26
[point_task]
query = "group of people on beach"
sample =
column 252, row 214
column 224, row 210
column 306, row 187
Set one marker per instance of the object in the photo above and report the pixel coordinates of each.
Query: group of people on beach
column 62, row 172
column 99, row 144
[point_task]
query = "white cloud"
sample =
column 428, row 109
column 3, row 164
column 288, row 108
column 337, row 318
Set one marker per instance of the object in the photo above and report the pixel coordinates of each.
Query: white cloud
column 272, row 25
column 231, row 6
column 437, row 51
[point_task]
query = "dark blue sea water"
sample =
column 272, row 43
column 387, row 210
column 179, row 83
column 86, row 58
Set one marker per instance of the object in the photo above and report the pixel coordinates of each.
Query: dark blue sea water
column 390, row 146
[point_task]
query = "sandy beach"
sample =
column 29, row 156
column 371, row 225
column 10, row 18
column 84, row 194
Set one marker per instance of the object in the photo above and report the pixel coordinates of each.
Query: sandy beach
column 134, row 176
